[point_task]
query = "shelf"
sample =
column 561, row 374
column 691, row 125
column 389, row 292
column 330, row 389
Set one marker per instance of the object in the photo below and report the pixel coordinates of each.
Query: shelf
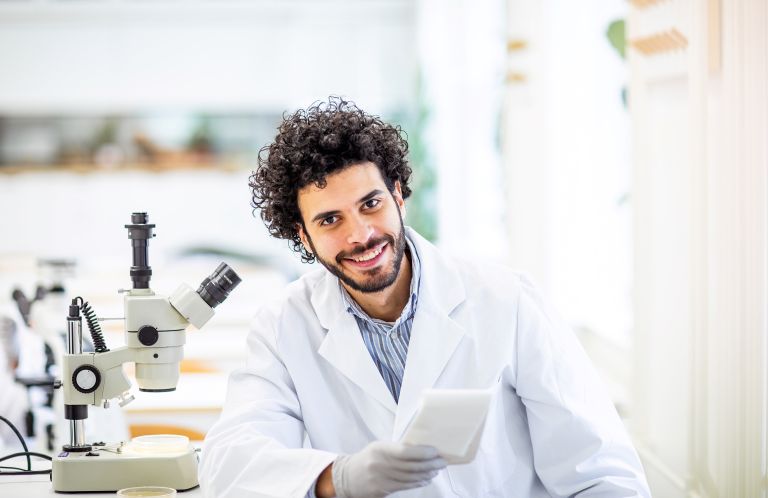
column 150, row 168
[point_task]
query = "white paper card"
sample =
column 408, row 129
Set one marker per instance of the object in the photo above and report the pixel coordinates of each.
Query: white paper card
column 451, row 420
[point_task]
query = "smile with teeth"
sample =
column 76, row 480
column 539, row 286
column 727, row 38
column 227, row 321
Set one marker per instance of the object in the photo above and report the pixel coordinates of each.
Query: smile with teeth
column 369, row 255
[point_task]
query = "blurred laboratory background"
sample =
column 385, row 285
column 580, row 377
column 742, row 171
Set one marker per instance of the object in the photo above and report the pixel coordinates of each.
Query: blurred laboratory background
column 614, row 150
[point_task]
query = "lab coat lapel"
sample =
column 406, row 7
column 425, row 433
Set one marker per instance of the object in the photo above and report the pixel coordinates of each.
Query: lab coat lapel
column 434, row 335
column 343, row 346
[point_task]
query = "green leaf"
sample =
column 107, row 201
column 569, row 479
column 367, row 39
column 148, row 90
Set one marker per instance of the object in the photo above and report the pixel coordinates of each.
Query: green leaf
column 616, row 36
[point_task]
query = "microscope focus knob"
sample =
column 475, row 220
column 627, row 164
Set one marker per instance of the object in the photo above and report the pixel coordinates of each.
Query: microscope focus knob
column 148, row 335
column 86, row 378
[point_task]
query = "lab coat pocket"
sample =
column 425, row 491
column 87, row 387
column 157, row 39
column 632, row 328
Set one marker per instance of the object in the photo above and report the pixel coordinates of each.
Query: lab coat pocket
column 494, row 463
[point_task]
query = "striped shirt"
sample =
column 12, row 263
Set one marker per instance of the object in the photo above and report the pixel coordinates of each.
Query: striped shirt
column 387, row 342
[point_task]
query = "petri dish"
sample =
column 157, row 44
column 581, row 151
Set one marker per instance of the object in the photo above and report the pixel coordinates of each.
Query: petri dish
column 159, row 443
column 155, row 491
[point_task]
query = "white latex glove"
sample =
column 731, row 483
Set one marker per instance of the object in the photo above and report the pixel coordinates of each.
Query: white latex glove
column 383, row 468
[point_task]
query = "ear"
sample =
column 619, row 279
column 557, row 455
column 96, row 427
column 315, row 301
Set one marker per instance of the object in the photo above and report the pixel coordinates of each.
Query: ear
column 397, row 194
column 303, row 237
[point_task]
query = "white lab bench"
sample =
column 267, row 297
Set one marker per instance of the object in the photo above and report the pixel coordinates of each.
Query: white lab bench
column 34, row 486
column 40, row 485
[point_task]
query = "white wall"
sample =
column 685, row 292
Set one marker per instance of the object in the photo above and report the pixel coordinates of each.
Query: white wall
column 229, row 56
column 82, row 215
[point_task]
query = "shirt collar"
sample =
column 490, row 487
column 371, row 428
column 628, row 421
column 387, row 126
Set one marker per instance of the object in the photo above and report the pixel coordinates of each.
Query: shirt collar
column 410, row 306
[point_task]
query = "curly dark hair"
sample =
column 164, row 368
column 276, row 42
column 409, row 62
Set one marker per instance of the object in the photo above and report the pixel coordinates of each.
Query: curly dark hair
column 313, row 143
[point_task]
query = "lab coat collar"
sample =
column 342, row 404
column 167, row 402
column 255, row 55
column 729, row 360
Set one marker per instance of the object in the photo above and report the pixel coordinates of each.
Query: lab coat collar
column 434, row 335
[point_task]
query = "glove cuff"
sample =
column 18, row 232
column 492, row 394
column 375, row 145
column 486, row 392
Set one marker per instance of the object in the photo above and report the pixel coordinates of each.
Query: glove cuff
column 337, row 476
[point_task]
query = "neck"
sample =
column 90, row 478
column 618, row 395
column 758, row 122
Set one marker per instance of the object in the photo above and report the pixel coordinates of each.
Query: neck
column 388, row 303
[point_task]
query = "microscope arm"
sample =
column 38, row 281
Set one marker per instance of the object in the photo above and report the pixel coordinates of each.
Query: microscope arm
column 92, row 378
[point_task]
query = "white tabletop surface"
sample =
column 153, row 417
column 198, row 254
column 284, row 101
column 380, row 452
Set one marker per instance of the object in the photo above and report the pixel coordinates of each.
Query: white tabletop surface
column 40, row 485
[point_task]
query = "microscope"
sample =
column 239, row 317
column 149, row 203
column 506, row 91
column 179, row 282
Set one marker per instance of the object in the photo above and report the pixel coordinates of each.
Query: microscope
column 154, row 335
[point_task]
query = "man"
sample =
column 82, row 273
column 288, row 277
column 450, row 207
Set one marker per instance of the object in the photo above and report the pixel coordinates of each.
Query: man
column 337, row 366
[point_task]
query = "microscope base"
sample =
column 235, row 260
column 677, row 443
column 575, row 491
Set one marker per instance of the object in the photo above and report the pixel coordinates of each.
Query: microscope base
column 110, row 471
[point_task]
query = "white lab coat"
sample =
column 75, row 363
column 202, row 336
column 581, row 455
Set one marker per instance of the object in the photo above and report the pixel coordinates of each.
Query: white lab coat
column 551, row 429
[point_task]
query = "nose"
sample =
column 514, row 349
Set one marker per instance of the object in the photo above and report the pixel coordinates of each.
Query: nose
column 360, row 230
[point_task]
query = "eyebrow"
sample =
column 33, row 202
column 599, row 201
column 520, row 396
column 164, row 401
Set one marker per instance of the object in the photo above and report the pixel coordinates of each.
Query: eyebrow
column 325, row 214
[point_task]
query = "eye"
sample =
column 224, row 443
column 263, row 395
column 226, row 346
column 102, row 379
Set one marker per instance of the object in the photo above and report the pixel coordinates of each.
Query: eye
column 330, row 220
column 372, row 203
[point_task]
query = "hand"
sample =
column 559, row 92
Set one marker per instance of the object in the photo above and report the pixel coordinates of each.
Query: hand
column 383, row 468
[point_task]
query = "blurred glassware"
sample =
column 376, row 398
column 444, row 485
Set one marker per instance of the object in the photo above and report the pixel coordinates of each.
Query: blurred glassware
column 155, row 491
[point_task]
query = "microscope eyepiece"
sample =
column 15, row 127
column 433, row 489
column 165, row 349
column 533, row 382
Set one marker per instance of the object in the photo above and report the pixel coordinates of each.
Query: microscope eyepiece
column 138, row 218
column 216, row 288
column 139, row 231
column 197, row 305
